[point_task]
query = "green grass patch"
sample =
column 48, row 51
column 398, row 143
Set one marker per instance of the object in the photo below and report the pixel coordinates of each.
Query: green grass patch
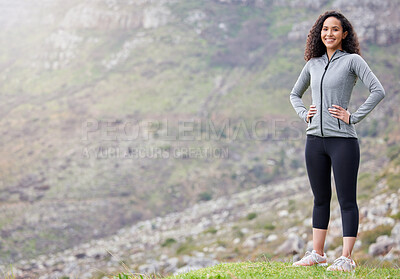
column 168, row 242
column 393, row 181
column 396, row 216
column 367, row 183
column 251, row 216
column 292, row 206
column 205, row 196
column 270, row 269
column 211, row 230
column 281, row 270
column 269, row 227
column 186, row 247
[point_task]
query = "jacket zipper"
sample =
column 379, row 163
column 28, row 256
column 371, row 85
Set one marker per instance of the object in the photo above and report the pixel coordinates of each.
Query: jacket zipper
column 322, row 78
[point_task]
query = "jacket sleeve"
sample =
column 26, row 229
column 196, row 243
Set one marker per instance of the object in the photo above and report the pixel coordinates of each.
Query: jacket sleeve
column 377, row 93
column 301, row 85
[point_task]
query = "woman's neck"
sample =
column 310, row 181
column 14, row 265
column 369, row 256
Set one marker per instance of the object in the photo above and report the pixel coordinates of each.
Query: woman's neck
column 330, row 52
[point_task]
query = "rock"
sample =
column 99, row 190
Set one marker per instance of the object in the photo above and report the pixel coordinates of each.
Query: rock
column 220, row 249
column 253, row 240
column 249, row 243
column 293, row 245
column 296, row 258
column 383, row 245
column 163, row 257
column 338, row 251
column 307, row 222
column 395, row 234
column 283, row 213
column 193, row 263
column 258, row 237
column 272, row 237
column 119, row 57
column 137, row 257
column 87, row 16
column 309, row 245
column 331, row 255
column 153, row 267
column 369, row 20
column 300, row 31
column 186, row 269
column 171, row 265
column 357, row 245
column 80, row 255
column 195, row 16
column 97, row 253
column 198, row 254
column 154, row 17
column 309, row 4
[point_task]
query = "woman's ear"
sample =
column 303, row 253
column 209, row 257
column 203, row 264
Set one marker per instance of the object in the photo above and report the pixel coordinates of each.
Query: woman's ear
column 344, row 35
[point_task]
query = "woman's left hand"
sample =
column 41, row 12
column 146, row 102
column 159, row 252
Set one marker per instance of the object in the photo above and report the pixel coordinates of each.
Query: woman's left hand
column 339, row 112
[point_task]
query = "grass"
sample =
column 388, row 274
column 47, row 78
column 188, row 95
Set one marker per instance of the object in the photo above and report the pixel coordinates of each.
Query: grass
column 7, row 274
column 271, row 269
column 251, row 215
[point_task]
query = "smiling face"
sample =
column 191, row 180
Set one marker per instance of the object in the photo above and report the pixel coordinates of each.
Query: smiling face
column 332, row 33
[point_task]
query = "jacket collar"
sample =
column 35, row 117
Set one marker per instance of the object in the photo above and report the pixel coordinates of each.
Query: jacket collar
column 338, row 53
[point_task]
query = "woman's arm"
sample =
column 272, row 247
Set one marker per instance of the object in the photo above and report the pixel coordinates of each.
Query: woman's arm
column 377, row 93
column 303, row 82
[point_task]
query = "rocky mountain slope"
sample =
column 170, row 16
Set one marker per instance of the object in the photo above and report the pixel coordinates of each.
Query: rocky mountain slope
column 271, row 221
column 92, row 92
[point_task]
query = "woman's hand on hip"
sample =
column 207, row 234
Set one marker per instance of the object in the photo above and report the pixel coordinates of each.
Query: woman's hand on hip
column 311, row 112
column 339, row 112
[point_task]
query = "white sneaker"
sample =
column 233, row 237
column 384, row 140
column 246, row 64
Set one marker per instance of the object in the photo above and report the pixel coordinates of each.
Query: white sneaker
column 312, row 258
column 343, row 264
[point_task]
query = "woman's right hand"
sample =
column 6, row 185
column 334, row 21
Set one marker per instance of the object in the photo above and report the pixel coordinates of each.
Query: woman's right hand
column 311, row 112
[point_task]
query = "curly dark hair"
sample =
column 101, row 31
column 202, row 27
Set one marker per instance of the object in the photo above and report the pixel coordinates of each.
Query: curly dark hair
column 316, row 48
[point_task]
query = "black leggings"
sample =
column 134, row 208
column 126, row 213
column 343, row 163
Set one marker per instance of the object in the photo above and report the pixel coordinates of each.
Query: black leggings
column 343, row 154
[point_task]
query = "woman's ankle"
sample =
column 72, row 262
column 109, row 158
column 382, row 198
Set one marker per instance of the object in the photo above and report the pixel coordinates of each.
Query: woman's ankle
column 320, row 252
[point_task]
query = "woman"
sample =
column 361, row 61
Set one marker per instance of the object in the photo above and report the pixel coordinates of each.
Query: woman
column 333, row 66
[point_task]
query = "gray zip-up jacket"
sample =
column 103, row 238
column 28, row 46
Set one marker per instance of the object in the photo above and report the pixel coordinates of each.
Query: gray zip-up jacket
column 332, row 83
